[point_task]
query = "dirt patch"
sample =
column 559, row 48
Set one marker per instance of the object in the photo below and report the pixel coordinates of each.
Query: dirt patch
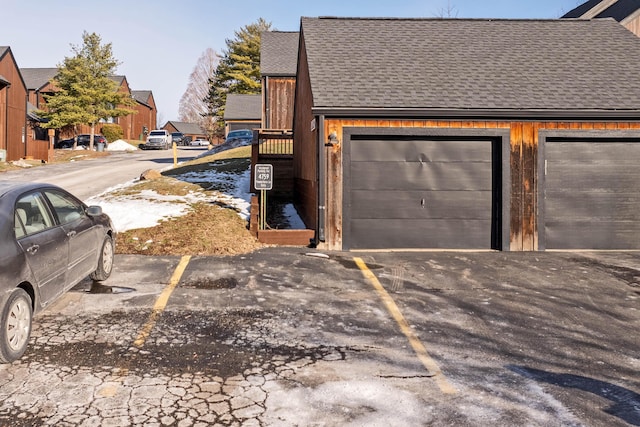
column 207, row 230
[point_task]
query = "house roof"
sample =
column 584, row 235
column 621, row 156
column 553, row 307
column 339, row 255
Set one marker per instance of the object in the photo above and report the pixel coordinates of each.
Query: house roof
column 616, row 9
column 5, row 52
column 279, row 53
column 36, row 78
column 243, row 107
column 187, row 128
column 141, row 96
column 466, row 65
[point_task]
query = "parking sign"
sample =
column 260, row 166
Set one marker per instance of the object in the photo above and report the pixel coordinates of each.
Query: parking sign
column 263, row 177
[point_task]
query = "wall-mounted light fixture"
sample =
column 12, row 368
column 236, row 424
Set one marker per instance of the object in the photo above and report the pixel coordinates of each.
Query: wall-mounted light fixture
column 333, row 140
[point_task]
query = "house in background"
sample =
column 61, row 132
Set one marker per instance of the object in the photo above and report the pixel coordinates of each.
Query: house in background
column 38, row 81
column 146, row 118
column 242, row 112
column 13, row 108
column 460, row 134
column 278, row 62
column 191, row 130
column 626, row 12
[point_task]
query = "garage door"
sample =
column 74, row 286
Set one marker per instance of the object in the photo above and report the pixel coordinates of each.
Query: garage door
column 592, row 194
column 421, row 193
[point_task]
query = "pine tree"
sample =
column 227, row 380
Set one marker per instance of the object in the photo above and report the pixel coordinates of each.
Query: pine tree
column 239, row 68
column 85, row 93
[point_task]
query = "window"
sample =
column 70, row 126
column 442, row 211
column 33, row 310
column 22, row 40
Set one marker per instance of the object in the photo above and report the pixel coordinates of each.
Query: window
column 32, row 215
column 66, row 208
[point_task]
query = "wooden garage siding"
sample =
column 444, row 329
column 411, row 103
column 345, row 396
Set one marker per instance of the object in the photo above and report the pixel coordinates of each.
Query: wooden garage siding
column 279, row 105
column 524, row 171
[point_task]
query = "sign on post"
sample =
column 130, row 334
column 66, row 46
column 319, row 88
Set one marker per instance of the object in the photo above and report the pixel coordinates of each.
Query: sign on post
column 263, row 177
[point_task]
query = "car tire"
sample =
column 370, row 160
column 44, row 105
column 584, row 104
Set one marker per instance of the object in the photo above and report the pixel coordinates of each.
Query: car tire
column 15, row 327
column 105, row 261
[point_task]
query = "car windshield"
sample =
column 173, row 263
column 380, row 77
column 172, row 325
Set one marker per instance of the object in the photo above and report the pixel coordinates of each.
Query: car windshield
column 157, row 133
column 240, row 133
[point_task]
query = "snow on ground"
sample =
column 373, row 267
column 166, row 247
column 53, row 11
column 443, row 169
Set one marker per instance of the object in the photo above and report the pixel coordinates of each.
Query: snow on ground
column 148, row 208
column 120, row 145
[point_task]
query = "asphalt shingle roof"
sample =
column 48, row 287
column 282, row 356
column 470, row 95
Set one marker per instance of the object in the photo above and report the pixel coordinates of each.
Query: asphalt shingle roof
column 279, row 53
column 141, row 96
column 187, row 128
column 580, row 10
column 618, row 10
column 35, row 78
column 243, row 107
column 460, row 64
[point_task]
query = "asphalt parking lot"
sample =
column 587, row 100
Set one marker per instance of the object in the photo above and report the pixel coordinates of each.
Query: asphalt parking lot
column 297, row 337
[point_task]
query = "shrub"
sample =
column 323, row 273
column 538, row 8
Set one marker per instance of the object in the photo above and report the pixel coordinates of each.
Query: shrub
column 112, row 132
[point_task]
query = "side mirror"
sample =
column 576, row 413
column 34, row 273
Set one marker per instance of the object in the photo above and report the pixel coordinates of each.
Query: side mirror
column 94, row 211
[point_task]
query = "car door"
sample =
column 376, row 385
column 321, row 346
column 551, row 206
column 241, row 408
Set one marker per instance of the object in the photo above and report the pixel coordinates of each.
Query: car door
column 44, row 243
column 83, row 239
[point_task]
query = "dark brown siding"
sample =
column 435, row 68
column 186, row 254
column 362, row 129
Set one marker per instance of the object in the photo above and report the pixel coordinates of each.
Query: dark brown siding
column 146, row 117
column 305, row 148
column 278, row 105
column 13, row 110
column 523, row 163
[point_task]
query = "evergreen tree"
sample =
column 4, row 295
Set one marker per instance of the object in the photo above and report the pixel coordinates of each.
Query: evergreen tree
column 239, row 68
column 85, row 93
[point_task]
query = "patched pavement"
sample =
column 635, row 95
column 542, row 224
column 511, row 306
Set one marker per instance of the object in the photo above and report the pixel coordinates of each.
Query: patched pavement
column 298, row 337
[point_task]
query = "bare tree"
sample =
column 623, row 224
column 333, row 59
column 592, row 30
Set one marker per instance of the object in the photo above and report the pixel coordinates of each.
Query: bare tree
column 193, row 106
column 450, row 11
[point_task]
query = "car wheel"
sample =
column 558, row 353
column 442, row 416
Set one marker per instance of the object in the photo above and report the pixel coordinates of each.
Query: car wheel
column 105, row 262
column 17, row 313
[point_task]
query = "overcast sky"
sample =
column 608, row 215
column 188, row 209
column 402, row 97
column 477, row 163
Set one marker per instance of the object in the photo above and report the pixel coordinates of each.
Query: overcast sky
column 158, row 42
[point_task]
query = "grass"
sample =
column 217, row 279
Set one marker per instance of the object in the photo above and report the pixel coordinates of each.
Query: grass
column 208, row 229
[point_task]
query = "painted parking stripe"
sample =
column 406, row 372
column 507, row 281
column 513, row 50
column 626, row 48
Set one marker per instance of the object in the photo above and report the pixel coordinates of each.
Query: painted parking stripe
column 419, row 348
column 161, row 302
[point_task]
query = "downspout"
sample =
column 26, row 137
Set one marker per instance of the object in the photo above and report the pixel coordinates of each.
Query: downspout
column 6, row 119
column 321, row 176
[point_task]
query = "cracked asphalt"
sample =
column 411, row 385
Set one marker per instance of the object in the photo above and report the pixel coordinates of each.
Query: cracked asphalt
column 297, row 337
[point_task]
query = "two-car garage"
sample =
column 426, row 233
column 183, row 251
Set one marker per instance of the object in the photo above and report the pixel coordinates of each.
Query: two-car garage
column 451, row 189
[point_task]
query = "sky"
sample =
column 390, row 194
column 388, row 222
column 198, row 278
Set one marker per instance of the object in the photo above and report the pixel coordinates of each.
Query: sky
column 159, row 42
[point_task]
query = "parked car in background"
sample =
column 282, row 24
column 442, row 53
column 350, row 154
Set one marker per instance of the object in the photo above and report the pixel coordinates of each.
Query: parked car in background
column 83, row 141
column 49, row 242
column 177, row 138
column 240, row 136
column 158, row 139
column 199, row 142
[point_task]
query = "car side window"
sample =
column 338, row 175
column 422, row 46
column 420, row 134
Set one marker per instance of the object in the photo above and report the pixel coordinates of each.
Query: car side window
column 66, row 208
column 32, row 214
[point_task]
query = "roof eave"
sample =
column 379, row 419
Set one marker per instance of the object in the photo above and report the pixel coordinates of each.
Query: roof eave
column 480, row 114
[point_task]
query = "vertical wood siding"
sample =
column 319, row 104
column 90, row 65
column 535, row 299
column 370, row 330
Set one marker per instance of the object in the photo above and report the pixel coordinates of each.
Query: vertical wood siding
column 523, row 164
column 13, row 110
column 305, row 148
column 279, row 102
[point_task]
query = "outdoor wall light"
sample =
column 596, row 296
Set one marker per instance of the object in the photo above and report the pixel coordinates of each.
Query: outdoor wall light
column 333, row 140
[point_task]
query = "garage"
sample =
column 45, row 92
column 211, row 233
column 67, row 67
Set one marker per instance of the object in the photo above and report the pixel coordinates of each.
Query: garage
column 423, row 191
column 591, row 193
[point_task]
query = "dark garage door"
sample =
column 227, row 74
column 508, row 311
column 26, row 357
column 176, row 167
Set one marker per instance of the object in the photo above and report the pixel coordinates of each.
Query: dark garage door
column 591, row 194
column 421, row 193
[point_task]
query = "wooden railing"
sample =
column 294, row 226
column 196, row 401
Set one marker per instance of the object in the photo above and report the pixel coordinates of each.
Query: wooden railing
column 274, row 142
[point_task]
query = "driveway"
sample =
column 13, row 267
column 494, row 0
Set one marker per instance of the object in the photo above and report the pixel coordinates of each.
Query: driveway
column 297, row 337
column 87, row 178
